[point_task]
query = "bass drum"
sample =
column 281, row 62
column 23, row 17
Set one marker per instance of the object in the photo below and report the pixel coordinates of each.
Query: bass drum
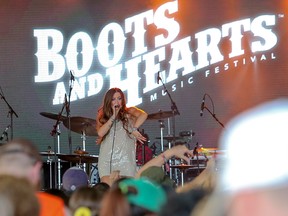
column 143, row 156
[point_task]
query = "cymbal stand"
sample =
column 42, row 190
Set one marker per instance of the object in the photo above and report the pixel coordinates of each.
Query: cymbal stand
column 169, row 146
column 175, row 111
column 10, row 113
column 84, row 146
column 182, row 176
column 162, row 126
column 49, row 161
column 56, row 133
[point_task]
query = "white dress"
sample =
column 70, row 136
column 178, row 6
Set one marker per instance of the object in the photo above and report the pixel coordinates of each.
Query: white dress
column 119, row 147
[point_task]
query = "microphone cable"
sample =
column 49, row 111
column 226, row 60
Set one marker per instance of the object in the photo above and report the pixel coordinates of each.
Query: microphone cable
column 113, row 143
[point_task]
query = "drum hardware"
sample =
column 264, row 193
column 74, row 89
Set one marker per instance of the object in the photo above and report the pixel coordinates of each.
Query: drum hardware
column 79, row 159
column 49, row 161
column 80, row 152
column 11, row 112
column 169, row 138
column 83, row 126
column 56, row 134
column 50, row 154
column 195, row 153
column 162, row 126
column 173, row 113
column 188, row 136
column 160, row 116
column 5, row 134
column 182, row 168
column 186, row 133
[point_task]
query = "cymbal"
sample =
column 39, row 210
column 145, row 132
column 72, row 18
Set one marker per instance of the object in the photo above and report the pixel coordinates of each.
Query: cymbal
column 47, row 153
column 182, row 166
column 53, row 116
column 160, row 115
column 169, row 138
column 78, row 158
column 208, row 150
column 80, row 152
column 81, row 124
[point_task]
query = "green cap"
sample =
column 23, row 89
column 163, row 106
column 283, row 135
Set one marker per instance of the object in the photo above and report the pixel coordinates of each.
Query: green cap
column 147, row 194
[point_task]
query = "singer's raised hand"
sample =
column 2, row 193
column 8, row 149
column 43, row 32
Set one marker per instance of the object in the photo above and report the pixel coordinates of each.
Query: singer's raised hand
column 139, row 136
column 116, row 109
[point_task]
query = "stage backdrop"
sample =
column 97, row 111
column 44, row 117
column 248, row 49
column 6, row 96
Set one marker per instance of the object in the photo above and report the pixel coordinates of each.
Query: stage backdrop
column 165, row 55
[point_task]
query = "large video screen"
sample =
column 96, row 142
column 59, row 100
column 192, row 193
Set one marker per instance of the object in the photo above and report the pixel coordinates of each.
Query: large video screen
column 175, row 57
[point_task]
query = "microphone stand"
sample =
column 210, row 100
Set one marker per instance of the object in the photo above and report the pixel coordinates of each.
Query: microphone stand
column 10, row 113
column 174, row 108
column 53, row 133
column 175, row 111
column 68, row 115
column 212, row 113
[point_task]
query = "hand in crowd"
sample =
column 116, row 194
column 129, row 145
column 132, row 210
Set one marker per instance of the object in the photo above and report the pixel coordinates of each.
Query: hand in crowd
column 181, row 152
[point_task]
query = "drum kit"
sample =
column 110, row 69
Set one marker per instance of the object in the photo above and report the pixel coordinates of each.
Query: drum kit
column 87, row 127
column 80, row 125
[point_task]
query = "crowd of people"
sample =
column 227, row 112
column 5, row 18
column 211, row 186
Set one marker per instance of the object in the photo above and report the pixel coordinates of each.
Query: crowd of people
column 250, row 177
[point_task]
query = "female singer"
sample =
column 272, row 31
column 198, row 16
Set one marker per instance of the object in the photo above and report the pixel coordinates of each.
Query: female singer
column 117, row 128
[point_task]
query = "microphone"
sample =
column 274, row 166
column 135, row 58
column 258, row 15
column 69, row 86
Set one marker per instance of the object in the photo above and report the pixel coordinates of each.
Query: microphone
column 67, row 105
column 158, row 77
column 202, row 105
column 4, row 132
column 65, row 101
column 72, row 76
column 116, row 106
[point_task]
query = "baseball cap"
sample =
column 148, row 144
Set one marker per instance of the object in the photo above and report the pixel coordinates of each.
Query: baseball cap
column 147, row 195
column 73, row 178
